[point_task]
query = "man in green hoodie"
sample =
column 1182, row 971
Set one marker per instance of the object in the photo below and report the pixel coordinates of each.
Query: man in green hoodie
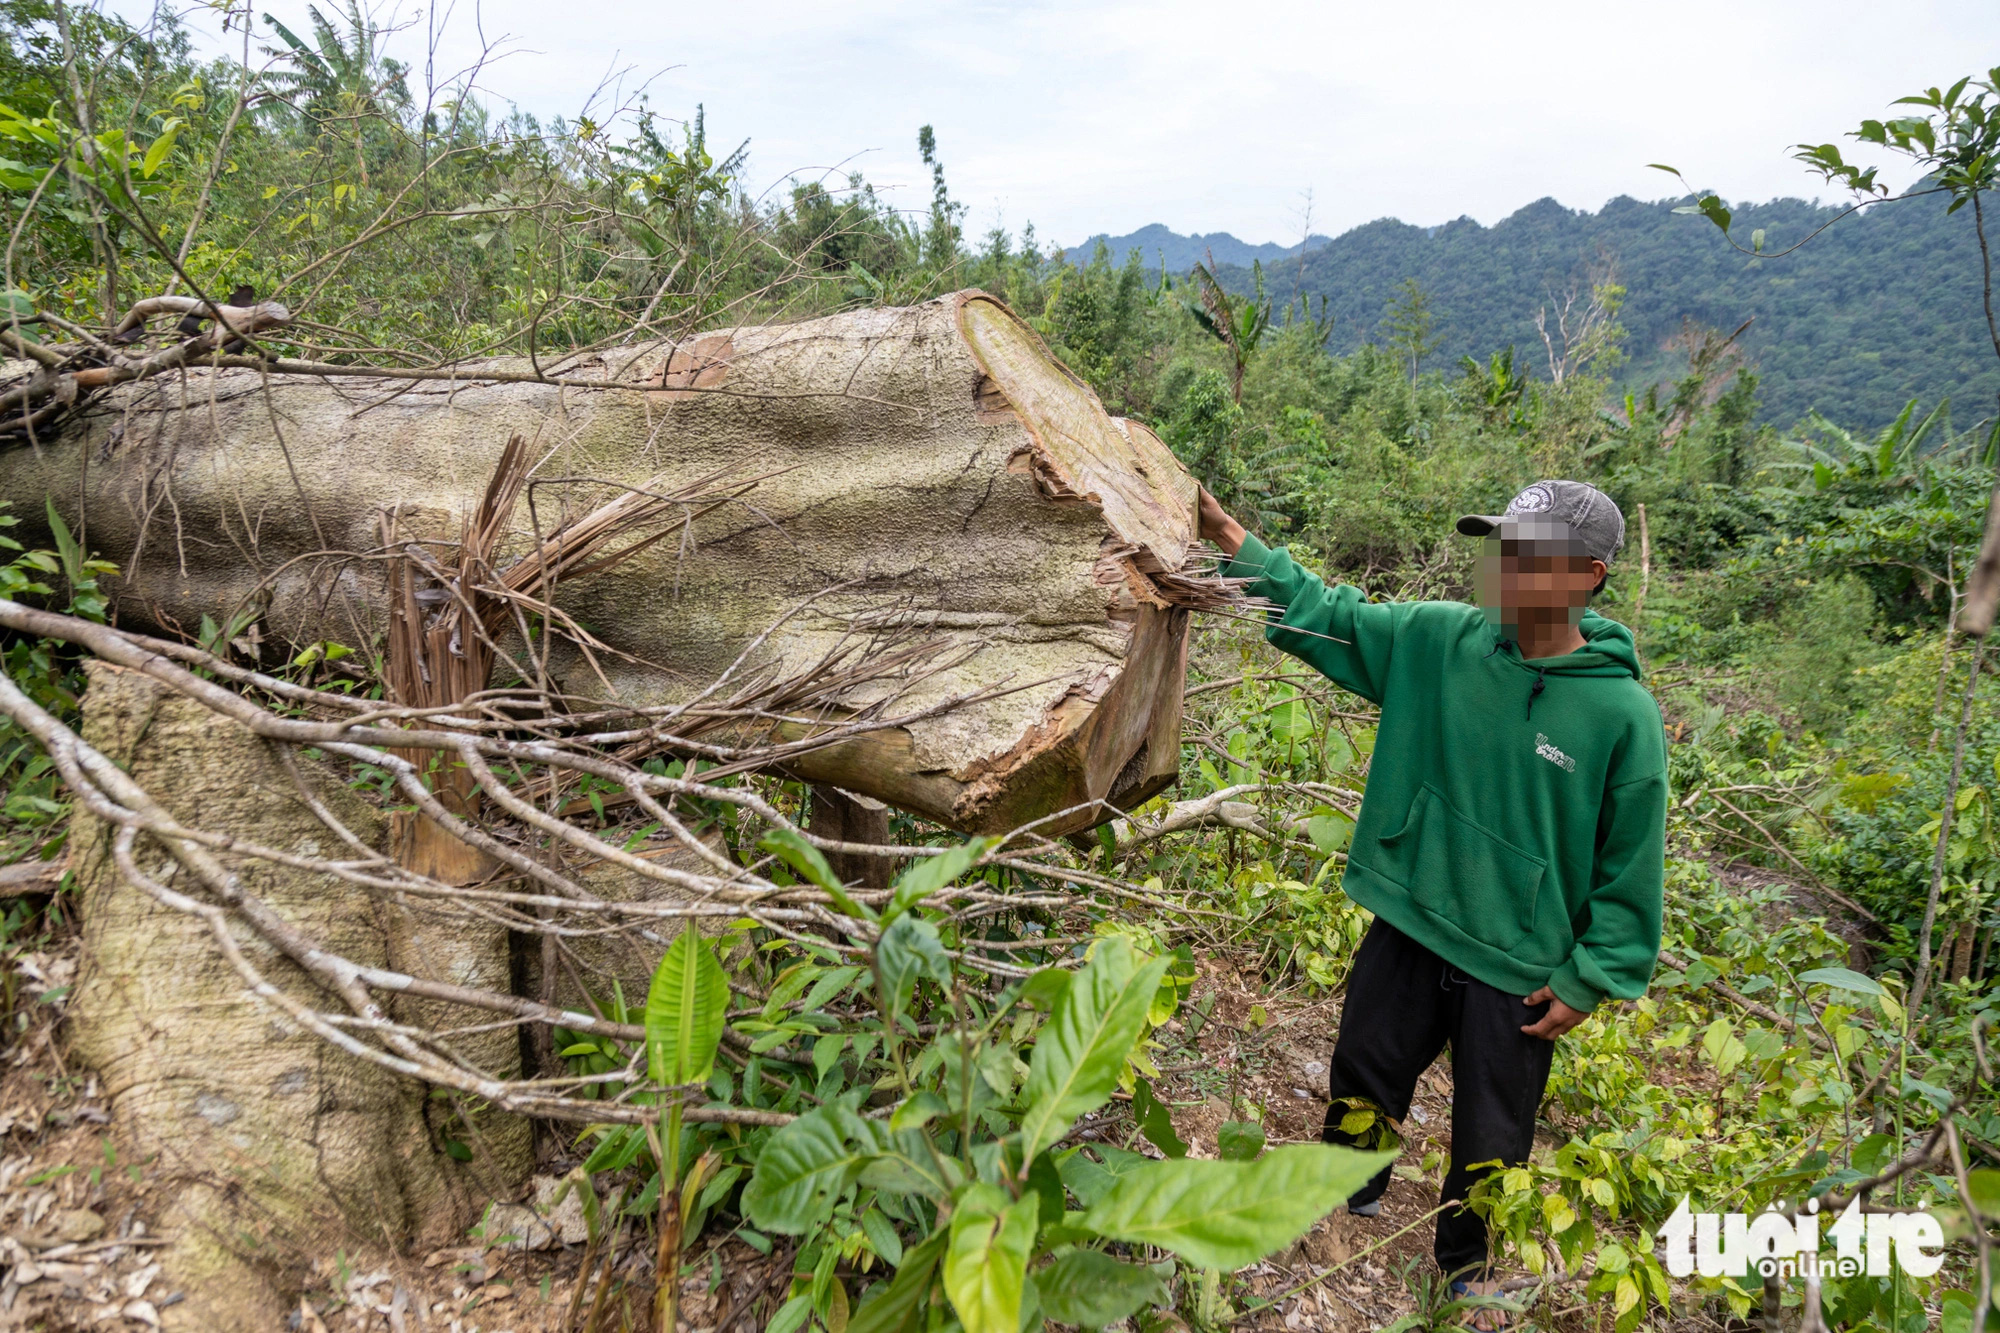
column 1511, row 842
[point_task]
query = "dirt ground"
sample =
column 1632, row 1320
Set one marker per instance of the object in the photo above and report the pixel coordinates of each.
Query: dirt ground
column 1272, row 1049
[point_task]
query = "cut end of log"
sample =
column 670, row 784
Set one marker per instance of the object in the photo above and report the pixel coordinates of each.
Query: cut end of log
column 1080, row 451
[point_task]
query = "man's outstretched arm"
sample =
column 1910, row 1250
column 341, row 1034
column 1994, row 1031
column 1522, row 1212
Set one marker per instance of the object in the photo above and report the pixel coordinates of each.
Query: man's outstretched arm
column 1335, row 630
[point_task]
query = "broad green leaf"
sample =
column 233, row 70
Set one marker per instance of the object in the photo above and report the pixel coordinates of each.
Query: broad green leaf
column 908, row 951
column 1090, row 1181
column 1239, row 1141
column 987, row 1262
column 1046, row 988
column 1226, row 1215
column 804, row 1168
column 1045, row 1183
column 158, row 152
column 1841, row 978
column 1722, row 1046
column 899, row 1162
column 1985, row 1184
column 1955, row 1312
column 828, row 986
column 1154, row 1121
column 791, row 1315
column 1081, row 1050
column 1557, row 1213
column 893, row 1309
column 72, row 554
column 918, row 1110
column 882, row 1237
column 1939, row 1097
column 1291, row 721
column 1090, row 1289
column 788, row 846
column 1330, row 833
column 826, row 1050
column 1174, row 986
column 616, row 1150
column 1873, row 1153
column 684, row 1011
column 932, row 873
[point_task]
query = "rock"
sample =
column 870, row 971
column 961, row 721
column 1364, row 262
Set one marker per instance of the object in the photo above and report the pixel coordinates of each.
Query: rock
column 515, row 1226
column 73, row 1226
column 541, row 1225
column 1306, row 1062
column 1325, row 1245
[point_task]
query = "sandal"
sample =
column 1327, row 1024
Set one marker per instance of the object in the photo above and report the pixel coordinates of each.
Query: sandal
column 1497, row 1317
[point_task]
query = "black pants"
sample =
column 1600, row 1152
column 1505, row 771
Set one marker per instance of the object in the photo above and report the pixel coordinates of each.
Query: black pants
column 1404, row 1005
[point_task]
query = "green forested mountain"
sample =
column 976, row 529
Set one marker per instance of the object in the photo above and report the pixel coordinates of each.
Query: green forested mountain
column 1881, row 308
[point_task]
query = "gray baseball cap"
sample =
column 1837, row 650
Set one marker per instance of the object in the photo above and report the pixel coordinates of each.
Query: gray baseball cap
column 1587, row 513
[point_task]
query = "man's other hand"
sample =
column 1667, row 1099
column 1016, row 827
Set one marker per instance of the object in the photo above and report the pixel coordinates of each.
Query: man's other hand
column 1217, row 526
column 1559, row 1019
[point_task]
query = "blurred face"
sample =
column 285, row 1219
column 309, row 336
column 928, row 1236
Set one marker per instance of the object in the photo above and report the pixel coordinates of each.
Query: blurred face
column 1538, row 568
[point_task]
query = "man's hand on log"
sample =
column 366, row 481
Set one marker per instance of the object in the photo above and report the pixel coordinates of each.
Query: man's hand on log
column 1217, row 526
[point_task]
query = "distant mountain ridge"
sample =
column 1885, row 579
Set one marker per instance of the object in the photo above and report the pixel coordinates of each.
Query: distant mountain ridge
column 1157, row 242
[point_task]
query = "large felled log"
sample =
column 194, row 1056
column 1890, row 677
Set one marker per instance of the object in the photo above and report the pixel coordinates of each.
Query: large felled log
column 930, row 465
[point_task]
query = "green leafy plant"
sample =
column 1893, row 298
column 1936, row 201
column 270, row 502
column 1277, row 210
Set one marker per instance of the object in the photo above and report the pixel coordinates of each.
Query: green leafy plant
column 938, row 1149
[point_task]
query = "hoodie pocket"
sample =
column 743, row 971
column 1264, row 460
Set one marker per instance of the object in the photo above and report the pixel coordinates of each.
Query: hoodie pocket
column 1471, row 879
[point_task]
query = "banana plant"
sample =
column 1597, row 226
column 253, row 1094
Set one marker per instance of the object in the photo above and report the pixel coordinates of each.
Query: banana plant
column 684, row 1021
column 1237, row 323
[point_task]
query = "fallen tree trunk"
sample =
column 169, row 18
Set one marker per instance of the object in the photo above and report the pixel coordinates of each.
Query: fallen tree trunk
column 913, row 474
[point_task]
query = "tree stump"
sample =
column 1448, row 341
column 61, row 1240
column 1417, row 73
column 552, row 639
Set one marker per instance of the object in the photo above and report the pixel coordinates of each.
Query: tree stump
column 273, row 1148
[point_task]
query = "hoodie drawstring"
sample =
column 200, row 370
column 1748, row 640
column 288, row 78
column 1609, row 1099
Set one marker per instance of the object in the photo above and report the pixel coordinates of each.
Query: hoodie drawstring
column 1541, row 683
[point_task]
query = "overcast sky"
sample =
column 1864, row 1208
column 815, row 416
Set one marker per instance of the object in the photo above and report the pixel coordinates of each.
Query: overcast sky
column 1089, row 117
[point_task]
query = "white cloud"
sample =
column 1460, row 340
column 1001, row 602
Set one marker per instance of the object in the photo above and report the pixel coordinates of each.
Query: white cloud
column 1212, row 117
